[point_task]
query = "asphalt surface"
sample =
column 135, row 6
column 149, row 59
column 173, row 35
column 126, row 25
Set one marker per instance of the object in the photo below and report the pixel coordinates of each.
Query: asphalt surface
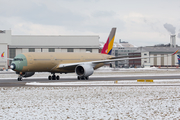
column 9, row 82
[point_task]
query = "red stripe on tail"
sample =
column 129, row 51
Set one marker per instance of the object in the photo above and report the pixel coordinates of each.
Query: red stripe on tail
column 105, row 48
column 2, row 55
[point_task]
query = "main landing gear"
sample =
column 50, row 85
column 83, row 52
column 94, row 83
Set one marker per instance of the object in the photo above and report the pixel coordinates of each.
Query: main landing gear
column 82, row 78
column 54, row 77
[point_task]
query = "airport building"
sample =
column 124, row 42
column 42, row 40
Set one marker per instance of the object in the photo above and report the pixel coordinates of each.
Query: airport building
column 160, row 56
column 12, row 45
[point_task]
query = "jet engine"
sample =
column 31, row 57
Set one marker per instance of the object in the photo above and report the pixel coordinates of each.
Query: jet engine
column 26, row 74
column 84, row 70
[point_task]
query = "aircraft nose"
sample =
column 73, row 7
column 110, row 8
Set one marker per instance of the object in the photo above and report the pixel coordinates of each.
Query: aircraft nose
column 13, row 66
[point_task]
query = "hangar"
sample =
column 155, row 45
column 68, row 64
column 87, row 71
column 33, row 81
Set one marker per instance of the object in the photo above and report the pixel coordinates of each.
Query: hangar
column 13, row 45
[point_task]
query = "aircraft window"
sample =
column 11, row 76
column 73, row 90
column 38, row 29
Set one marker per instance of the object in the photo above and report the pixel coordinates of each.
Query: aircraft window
column 18, row 59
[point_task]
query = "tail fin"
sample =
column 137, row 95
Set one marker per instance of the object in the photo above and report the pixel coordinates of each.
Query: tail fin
column 107, row 49
column 2, row 55
column 178, row 59
column 175, row 52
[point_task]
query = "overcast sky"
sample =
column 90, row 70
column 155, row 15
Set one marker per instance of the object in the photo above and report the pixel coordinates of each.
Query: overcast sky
column 139, row 22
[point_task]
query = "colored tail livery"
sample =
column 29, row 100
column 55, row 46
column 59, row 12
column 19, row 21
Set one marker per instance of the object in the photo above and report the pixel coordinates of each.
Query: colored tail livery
column 175, row 52
column 107, row 49
column 2, row 55
column 178, row 59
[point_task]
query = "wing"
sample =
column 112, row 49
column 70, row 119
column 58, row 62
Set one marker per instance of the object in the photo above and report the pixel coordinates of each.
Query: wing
column 94, row 63
column 124, row 56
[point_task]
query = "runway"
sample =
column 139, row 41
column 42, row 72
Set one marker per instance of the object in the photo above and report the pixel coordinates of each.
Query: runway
column 12, row 82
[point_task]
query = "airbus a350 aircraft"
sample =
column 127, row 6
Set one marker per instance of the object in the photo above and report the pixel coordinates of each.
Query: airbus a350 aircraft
column 83, row 64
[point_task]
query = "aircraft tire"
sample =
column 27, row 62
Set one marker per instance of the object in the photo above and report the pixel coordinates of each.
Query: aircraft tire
column 19, row 79
column 82, row 78
column 53, row 77
column 49, row 77
column 57, row 77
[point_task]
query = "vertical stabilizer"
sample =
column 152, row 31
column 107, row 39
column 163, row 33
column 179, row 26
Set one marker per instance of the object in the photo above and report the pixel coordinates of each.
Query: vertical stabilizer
column 2, row 55
column 107, row 49
column 178, row 57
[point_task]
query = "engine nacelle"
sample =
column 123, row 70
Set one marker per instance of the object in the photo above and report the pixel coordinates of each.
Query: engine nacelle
column 84, row 70
column 26, row 74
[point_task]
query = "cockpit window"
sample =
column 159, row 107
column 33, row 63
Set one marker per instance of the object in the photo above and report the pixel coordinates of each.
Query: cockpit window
column 18, row 59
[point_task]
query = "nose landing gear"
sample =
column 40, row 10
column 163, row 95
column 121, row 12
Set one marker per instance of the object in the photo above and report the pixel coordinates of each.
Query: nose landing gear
column 19, row 76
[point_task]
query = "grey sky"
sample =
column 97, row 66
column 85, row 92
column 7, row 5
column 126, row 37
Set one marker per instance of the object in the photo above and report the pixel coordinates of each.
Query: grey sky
column 139, row 22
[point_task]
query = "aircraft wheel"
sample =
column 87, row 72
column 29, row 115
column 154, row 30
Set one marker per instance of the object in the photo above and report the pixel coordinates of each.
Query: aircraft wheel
column 49, row 77
column 86, row 78
column 79, row 78
column 19, row 79
column 57, row 77
column 53, row 77
column 83, row 78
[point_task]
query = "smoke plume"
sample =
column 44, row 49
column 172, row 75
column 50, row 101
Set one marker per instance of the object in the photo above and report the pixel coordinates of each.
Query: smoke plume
column 170, row 28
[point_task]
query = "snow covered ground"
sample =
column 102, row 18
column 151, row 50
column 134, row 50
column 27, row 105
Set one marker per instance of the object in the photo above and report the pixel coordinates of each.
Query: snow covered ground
column 95, row 102
column 90, row 103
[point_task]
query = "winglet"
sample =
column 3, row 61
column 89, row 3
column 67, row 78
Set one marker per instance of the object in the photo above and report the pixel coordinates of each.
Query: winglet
column 175, row 52
column 2, row 55
column 107, row 49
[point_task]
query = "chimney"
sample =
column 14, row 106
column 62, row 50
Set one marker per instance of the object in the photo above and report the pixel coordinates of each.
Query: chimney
column 173, row 41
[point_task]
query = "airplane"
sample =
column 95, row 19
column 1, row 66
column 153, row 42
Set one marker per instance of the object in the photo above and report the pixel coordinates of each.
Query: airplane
column 83, row 64
column 2, row 55
column 178, row 59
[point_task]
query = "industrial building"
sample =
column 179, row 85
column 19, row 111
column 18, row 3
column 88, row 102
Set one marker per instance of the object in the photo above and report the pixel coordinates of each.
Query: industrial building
column 13, row 45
